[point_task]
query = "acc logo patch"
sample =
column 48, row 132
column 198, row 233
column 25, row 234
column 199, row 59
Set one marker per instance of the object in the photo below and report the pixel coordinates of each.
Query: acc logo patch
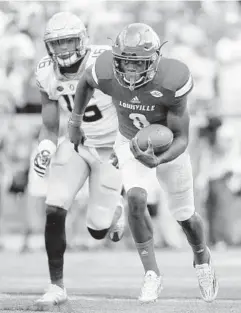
column 60, row 88
column 156, row 93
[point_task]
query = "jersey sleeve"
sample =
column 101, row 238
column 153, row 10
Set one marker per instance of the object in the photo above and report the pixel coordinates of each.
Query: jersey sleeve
column 178, row 81
column 95, row 52
column 102, row 72
column 42, row 73
column 102, row 68
column 186, row 87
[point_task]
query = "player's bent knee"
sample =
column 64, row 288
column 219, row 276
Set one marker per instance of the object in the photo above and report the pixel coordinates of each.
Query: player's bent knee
column 181, row 205
column 99, row 217
column 136, row 195
column 98, row 234
column 137, row 200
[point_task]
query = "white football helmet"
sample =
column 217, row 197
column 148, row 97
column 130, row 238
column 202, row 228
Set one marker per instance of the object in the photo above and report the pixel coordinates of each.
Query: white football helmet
column 65, row 38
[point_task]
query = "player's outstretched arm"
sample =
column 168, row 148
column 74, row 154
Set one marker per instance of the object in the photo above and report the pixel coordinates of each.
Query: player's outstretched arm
column 84, row 92
column 48, row 137
column 178, row 121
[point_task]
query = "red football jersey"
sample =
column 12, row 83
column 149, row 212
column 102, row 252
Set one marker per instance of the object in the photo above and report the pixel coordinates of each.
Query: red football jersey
column 149, row 103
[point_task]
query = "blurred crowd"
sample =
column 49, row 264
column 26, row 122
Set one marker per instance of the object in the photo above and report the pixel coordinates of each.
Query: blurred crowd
column 206, row 35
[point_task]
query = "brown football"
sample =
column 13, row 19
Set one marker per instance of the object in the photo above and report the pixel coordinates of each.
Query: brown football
column 161, row 137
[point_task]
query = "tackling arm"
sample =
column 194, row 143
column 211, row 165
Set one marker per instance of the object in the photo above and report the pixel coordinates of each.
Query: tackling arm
column 178, row 122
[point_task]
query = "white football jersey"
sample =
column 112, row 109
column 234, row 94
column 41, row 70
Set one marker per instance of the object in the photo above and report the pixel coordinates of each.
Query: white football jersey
column 100, row 120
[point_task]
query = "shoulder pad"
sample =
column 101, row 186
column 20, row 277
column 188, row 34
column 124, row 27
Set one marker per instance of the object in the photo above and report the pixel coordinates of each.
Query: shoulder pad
column 174, row 77
column 42, row 72
column 103, row 66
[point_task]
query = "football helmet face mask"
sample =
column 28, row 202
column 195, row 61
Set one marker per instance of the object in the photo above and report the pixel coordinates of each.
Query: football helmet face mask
column 65, row 39
column 136, row 54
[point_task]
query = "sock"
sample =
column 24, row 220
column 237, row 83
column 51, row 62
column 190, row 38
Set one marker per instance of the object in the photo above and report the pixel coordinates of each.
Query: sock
column 194, row 230
column 55, row 242
column 147, row 256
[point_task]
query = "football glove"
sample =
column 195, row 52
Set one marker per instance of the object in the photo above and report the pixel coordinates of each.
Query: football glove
column 46, row 149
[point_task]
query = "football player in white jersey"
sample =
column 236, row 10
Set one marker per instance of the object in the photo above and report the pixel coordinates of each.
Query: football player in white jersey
column 57, row 77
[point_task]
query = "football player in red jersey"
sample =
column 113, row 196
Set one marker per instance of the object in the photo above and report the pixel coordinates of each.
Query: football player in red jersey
column 147, row 88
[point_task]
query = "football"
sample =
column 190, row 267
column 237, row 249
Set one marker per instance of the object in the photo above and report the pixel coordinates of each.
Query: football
column 161, row 137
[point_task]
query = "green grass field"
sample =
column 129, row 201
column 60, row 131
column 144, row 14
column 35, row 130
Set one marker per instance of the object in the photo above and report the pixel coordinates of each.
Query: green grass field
column 109, row 281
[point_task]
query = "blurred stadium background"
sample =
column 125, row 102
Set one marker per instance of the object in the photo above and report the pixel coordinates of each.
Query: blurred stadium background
column 206, row 35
